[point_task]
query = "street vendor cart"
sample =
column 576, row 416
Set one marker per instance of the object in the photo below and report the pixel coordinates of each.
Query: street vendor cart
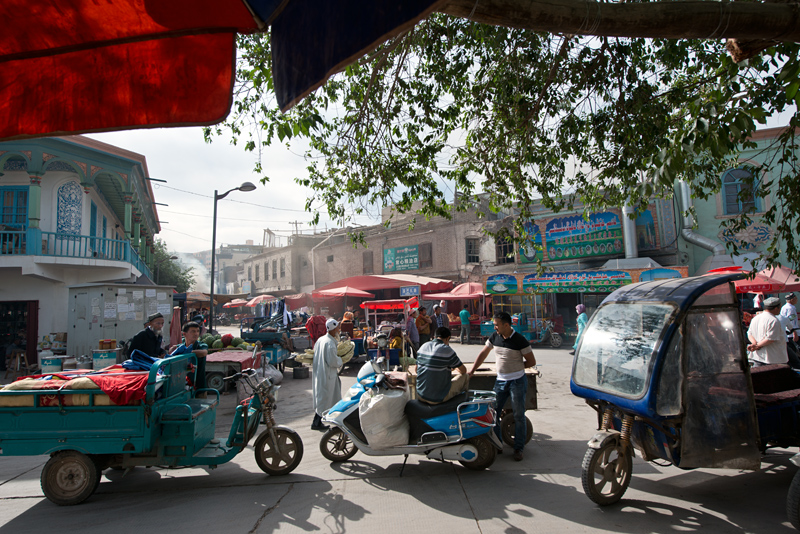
column 224, row 363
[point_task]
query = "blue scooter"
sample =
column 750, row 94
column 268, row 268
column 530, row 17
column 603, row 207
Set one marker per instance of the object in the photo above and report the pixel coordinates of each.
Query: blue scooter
column 460, row 429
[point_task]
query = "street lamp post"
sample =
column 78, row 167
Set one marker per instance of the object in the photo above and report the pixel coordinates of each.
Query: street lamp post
column 158, row 268
column 246, row 186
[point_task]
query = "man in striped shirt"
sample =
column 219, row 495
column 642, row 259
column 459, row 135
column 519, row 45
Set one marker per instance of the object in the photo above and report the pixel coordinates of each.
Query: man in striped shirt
column 512, row 354
column 435, row 362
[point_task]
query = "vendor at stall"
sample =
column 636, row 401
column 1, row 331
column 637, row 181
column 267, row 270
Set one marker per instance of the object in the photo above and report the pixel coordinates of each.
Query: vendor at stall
column 150, row 339
column 191, row 343
column 326, row 385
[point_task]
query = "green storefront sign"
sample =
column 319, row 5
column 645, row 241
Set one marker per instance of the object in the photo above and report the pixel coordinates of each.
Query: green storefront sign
column 401, row 259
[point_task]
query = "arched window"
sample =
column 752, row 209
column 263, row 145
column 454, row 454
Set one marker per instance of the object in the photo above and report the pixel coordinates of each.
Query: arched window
column 738, row 192
column 70, row 208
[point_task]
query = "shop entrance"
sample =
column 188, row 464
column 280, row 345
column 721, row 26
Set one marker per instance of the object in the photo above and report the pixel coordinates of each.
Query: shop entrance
column 19, row 319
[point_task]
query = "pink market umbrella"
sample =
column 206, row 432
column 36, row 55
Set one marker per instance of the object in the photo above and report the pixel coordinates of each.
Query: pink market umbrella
column 785, row 276
column 255, row 301
column 235, row 303
column 343, row 291
column 760, row 283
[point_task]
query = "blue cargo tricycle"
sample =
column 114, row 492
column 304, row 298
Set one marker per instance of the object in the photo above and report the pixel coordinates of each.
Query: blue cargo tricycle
column 664, row 365
column 173, row 426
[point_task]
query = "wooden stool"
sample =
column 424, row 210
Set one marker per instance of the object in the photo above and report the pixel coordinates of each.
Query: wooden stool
column 18, row 361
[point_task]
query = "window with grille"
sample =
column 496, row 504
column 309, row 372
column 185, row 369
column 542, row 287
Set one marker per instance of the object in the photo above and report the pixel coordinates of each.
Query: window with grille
column 425, row 255
column 330, row 258
column 739, row 195
column 266, row 270
column 257, row 273
column 283, row 267
column 249, row 273
column 472, row 246
column 274, row 269
column 366, row 257
column 505, row 250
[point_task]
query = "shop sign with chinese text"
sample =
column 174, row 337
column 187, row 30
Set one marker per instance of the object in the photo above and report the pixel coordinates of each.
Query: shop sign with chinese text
column 401, row 259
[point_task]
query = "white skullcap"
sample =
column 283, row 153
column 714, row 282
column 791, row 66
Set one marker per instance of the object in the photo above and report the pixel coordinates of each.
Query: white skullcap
column 331, row 324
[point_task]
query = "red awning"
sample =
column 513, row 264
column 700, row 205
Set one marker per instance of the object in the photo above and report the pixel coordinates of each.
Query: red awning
column 344, row 291
column 76, row 66
column 391, row 281
column 759, row 283
column 467, row 291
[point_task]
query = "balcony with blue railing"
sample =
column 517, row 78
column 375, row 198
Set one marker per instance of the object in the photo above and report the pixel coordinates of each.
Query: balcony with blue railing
column 15, row 242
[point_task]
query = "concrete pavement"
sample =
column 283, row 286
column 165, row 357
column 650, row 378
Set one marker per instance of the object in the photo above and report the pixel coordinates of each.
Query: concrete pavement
column 542, row 493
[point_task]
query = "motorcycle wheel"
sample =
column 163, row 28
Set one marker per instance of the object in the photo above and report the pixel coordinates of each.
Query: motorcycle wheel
column 486, row 454
column 507, row 428
column 337, row 446
column 793, row 502
column 606, row 473
column 281, row 458
column 555, row 340
column 69, row 477
column 215, row 380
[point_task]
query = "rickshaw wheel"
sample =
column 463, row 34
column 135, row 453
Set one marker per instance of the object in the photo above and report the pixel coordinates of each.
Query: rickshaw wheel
column 486, row 454
column 280, row 459
column 337, row 446
column 793, row 502
column 555, row 340
column 507, row 429
column 69, row 477
column 606, row 473
column 216, row 381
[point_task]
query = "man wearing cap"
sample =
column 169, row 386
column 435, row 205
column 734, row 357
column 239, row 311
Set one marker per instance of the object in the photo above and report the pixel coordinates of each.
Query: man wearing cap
column 767, row 337
column 149, row 340
column 326, row 385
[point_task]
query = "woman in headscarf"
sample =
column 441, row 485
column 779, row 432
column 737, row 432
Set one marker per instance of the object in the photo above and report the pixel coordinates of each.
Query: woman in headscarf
column 582, row 320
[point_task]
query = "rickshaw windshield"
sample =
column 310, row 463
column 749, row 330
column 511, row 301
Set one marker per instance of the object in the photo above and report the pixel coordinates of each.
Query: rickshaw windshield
column 617, row 347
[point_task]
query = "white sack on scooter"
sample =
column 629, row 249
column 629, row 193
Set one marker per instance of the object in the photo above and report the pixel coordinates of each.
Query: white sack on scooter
column 383, row 418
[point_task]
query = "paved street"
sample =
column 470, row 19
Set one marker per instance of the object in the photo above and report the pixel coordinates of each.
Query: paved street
column 540, row 494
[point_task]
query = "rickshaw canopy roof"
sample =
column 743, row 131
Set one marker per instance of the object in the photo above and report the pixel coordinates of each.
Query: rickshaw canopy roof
column 680, row 291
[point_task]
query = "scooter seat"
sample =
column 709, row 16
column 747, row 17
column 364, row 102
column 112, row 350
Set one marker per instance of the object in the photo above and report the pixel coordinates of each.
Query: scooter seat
column 421, row 410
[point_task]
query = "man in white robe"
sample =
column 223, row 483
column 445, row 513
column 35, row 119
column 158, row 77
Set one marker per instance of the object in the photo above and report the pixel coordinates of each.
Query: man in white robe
column 326, row 385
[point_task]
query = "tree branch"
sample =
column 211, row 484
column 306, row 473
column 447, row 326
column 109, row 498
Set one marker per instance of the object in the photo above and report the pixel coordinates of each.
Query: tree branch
column 667, row 20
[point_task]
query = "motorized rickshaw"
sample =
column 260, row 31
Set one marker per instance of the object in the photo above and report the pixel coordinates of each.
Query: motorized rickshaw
column 664, row 365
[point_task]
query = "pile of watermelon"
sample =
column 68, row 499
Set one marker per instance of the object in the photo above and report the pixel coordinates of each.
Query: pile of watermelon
column 225, row 342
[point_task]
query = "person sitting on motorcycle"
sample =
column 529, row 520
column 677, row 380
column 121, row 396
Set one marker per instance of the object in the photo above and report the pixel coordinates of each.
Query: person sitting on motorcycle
column 435, row 362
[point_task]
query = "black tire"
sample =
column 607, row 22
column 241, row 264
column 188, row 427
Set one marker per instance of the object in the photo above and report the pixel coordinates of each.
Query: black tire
column 555, row 340
column 281, row 366
column 606, row 473
column 486, row 454
column 337, row 446
column 507, row 428
column 793, row 502
column 283, row 458
column 69, row 477
column 216, row 381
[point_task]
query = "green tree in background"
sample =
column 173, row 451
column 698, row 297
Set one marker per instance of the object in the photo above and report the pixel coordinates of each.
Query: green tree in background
column 454, row 105
column 169, row 272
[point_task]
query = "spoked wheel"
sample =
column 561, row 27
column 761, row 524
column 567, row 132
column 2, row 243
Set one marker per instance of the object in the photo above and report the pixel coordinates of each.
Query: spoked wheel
column 793, row 502
column 555, row 340
column 69, row 477
column 281, row 366
column 606, row 473
column 279, row 458
column 337, row 446
column 508, row 429
column 216, row 381
column 486, row 454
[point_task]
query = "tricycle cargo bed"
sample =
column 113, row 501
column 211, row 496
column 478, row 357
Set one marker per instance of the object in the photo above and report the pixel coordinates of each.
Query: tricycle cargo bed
column 42, row 421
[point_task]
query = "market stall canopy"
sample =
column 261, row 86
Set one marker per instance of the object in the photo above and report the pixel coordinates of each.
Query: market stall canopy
column 75, row 66
column 467, row 291
column 195, row 296
column 344, row 291
column 255, row 301
column 386, row 281
column 298, row 300
column 785, row 276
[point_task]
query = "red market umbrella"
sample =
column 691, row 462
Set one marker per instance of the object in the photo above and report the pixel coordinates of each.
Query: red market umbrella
column 785, row 276
column 758, row 283
column 235, row 303
column 255, row 301
column 467, row 291
column 344, row 291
